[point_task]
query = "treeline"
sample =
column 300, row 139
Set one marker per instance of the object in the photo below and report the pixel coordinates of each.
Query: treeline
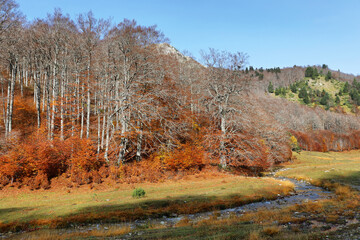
column 315, row 128
column 86, row 99
column 286, row 76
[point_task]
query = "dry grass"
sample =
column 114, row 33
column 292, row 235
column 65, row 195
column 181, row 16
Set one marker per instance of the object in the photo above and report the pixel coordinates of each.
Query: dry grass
column 255, row 235
column 344, row 192
column 183, row 222
column 271, row 230
column 266, row 216
column 60, row 235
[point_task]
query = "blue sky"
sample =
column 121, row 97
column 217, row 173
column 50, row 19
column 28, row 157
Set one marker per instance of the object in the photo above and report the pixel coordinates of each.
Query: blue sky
column 277, row 33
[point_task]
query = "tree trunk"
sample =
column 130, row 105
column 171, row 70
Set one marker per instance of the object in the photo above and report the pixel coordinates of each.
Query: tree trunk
column 139, row 142
column 38, row 97
column 11, row 91
column 107, row 139
column 222, row 140
column 88, row 104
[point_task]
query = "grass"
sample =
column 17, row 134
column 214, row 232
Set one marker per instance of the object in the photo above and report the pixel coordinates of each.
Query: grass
column 195, row 194
column 331, row 170
column 53, row 234
column 316, row 167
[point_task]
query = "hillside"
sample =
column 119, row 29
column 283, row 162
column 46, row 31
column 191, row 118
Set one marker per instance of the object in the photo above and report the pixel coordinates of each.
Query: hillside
column 108, row 131
column 86, row 102
column 331, row 94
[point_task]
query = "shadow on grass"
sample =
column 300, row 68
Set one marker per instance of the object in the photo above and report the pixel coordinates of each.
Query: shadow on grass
column 154, row 209
column 5, row 211
column 352, row 180
column 130, row 212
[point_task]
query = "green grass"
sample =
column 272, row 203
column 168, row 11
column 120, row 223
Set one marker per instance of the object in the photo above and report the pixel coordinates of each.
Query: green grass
column 341, row 167
column 193, row 195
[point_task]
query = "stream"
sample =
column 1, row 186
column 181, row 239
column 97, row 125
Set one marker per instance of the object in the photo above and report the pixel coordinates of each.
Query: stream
column 303, row 192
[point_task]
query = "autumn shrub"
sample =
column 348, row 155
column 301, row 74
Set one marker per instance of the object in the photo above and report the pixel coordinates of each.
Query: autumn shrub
column 39, row 159
column 185, row 157
column 103, row 171
column 96, row 177
column 83, row 155
column 116, row 172
column 39, row 181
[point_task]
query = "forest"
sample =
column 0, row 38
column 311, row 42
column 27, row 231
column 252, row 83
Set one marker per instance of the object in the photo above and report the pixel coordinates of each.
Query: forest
column 85, row 99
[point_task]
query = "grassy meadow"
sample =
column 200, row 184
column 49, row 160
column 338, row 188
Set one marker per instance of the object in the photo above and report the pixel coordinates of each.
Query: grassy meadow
column 339, row 167
column 326, row 218
column 192, row 194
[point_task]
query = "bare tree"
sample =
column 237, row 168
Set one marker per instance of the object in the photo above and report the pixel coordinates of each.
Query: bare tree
column 223, row 83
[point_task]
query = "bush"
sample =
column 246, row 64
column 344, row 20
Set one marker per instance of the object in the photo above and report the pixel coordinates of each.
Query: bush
column 185, row 157
column 138, row 193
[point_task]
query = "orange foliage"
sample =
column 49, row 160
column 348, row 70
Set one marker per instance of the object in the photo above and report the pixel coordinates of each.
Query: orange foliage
column 323, row 141
column 38, row 159
column 185, row 157
column 24, row 115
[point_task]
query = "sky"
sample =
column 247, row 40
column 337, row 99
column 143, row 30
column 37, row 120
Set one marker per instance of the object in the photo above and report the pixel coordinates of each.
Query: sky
column 276, row 33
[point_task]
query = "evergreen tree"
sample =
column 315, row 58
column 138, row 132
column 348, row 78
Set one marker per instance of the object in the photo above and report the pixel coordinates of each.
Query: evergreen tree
column 356, row 85
column 293, row 88
column 337, row 100
column 315, row 73
column 325, row 99
column 309, row 72
column 346, row 88
column 328, row 76
column 283, row 91
column 340, row 92
column 303, row 93
column 357, row 99
column 277, row 91
column 306, row 99
column 270, row 88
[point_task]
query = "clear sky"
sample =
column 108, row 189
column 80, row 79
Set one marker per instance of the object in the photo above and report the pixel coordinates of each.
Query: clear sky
column 276, row 33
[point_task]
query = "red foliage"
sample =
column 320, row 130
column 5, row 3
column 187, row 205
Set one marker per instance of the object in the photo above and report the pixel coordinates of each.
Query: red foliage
column 323, row 141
